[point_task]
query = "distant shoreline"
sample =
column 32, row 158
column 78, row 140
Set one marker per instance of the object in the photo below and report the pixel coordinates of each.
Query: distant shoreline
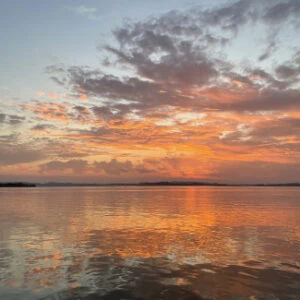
column 158, row 183
column 16, row 184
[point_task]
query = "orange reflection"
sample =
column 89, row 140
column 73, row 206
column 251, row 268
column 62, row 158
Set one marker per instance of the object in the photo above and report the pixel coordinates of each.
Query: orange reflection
column 64, row 233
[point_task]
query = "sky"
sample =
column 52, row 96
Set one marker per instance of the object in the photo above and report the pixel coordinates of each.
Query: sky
column 130, row 91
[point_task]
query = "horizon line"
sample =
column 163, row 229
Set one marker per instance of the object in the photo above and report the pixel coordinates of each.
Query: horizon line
column 147, row 183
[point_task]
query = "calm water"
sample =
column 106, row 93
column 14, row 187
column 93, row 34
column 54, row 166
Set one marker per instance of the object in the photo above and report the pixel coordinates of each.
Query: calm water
column 150, row 243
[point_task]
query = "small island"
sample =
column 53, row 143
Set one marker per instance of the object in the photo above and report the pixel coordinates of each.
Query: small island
column 16, row 184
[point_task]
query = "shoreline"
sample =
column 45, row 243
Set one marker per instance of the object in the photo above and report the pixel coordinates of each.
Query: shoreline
column 159, row 183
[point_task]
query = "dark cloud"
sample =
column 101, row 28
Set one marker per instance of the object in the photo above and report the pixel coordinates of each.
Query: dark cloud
column 75, row 166
column 271, row 48
column 42, row 127
column 13, row 151
column 15, row 120
column 278, row 134
column 58, row 149
column 284, row 127
column 114, row 167
column 267, row 79
column 268, row 100
column 18, row 154
column 175, row 54
column 287, row 71
column 11, row 119
column 281, row 11
column 59, row 81
column 81, row 109
column 2, row 117
column 233, row 15
column 185, row 66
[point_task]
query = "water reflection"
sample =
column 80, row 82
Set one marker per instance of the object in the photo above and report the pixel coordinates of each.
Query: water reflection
column 150, row 243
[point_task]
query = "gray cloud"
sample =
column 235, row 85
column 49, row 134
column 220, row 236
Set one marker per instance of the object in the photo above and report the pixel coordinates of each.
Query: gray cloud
column 18, row 154
column 175, row 53
column 42, row 127
column 2, row 117
column 13, row 151
column 281, row 11
column 76, row 166
column 11, row 119
column 276, row 133
column 82, row 10
column 114, row 167
column 287, row 71
column 267, row 100
column 15, row 120
column 271, row 47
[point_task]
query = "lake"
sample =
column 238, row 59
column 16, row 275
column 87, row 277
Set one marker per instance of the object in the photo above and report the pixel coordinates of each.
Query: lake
column 150, row 243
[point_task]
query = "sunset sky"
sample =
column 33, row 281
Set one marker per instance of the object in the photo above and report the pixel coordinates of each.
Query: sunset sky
column 135, row 90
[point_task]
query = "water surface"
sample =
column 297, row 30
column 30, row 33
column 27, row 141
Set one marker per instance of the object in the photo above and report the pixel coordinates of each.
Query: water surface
column 150, row 243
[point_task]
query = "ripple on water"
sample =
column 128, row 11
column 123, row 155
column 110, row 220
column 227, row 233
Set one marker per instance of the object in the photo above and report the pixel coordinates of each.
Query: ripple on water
column 150, row 243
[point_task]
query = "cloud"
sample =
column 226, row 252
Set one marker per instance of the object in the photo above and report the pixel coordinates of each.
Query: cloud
column 18, row 154
column 40, row 93
column 52, row 95
column 42, row 127
column 170, row 99
column 2, row 117
column 82, row 10
column 283, row 132
column 271, row 47
column 259, row 172
column 49, row 110
column 79, row 167
column 175, row 169
column 175, row 62
column 13, row 151
column 114, row 167
column 74, row 166
column 268, row 100
column 145, row 112
column 15, row 120
column 281, row 11
column 11, row 119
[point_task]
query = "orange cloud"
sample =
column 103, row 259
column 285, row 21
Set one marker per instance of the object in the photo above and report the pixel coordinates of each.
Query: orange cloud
column 222, row 95
column 83, row 97
column 53, row 95
column 40, row 93
column 49, row 111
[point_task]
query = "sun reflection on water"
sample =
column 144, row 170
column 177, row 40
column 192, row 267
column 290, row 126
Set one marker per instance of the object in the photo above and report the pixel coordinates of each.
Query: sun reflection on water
column 99, row 240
